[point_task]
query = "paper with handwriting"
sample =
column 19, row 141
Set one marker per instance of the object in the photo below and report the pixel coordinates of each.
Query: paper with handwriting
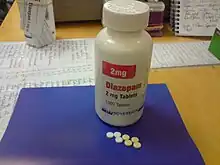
column 198, row 17
column 62, row 52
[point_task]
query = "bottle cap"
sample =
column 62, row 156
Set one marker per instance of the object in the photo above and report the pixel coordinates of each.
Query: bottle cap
column 125, row 15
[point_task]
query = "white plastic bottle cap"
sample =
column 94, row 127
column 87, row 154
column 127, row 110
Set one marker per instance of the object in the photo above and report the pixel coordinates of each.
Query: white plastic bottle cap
column 118, row 140
column 134, row 139
column 125, row 137
column 125, row 15
column 152, row 0
column 109, row 135
column 117, row 134
column 137, row 145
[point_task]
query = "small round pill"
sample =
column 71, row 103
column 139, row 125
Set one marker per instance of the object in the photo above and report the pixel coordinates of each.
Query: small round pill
column 128, row 143
column 125, row 137
column 109, row 135
column 137, row 145
column 134, row 139
column 117, row 134
column 118, row 140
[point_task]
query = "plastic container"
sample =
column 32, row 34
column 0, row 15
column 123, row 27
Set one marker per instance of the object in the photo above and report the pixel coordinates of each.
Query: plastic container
column 37, row 21
column 123, row 51
column 156, row 12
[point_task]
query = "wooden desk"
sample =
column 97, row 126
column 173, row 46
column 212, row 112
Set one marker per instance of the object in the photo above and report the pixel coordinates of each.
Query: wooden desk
column 196, row 90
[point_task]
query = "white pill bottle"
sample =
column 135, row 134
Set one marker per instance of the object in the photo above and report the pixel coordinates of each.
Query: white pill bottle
column 123, row 51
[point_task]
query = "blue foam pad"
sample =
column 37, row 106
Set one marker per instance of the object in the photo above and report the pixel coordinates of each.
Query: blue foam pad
column 59, row 126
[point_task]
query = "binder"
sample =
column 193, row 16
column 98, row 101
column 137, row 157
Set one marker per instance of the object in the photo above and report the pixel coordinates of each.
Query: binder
column 59, row 126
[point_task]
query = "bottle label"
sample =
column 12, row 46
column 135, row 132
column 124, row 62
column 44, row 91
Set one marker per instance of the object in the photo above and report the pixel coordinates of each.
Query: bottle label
column 118, row 71
column 121, row 98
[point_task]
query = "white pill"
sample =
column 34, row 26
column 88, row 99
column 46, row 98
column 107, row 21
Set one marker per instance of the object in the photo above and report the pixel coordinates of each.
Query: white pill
column 109, row 135
column 125, row 137
column 134, row 139
column 128, row 143
column 117, row 134
column 137, row 145
column 118, row 140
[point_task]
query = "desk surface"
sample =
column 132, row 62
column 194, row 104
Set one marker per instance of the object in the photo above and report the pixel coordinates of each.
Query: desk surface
column 194, row 89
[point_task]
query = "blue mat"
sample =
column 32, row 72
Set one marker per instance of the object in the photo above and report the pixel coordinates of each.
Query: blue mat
column 59, row 126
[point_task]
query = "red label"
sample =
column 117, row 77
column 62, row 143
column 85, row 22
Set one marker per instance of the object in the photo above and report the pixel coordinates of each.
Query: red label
column 118, row 71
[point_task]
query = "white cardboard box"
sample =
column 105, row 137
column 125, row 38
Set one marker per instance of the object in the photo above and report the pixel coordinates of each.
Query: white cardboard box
column 37, row 21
